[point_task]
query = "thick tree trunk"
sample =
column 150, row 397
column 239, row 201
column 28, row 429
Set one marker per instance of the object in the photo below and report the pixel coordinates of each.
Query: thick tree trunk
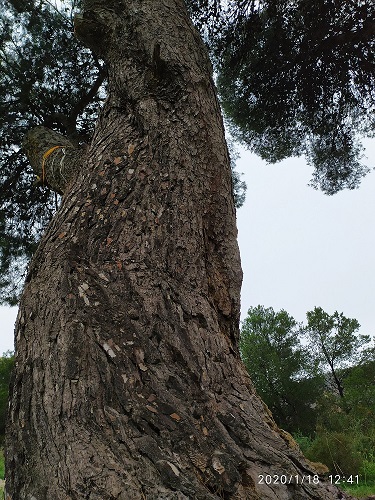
column 128, row 382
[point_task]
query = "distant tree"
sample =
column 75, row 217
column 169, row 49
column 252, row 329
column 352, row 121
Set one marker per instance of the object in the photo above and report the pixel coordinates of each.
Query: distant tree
column 280, row 367
column 360, row 392
column 335, row 343
column 6, row 365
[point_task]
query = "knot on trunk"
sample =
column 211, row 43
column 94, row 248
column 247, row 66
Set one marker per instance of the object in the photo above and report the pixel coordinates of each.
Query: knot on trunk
column 53, row 157
column 92, row 26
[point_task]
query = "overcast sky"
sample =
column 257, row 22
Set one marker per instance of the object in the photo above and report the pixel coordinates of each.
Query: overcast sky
column 299, row 247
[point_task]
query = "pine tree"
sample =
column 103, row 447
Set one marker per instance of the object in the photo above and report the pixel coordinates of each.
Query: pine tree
column 294, row 78
column 128, row 381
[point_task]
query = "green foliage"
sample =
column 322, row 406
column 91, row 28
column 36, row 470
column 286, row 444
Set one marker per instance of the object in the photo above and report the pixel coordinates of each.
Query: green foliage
column 294, row 77
column 46, row 78
column 362, row 491
column 347, row 449
column 320, row 390
column 334, row 342
column 304, row 442
column 337, row 429
column 339, row 451
column 280, row 367
column 368, row 470
column 345, row 433
column 239, row 186
column 297, row 77
column 6, row 366
column 360, row 392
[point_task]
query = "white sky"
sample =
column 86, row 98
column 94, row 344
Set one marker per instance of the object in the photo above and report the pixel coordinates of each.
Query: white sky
column 299, row 247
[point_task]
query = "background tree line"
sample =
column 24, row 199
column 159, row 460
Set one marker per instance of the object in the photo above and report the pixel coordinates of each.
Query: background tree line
column 318, row 379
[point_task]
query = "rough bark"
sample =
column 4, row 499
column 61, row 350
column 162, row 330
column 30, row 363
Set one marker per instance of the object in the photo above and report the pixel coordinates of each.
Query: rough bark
column 128, row 382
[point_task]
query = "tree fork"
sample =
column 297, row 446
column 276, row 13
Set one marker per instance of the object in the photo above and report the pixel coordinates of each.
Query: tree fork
column 128, row 382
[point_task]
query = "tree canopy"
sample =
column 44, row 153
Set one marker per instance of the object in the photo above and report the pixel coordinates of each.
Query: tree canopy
column 335, row 342
column 294, row 78
column 297, row 77
column 47, row 77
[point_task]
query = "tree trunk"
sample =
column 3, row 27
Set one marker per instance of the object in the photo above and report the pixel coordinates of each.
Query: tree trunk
column 128, row 382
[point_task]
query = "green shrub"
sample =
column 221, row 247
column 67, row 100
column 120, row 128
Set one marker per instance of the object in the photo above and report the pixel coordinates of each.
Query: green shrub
column 368, row 471
column 361, row 491
column 304, row 442
column 6, row 365
column 339, row 451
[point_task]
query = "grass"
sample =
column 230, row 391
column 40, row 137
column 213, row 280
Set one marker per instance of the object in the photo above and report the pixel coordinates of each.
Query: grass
column 362, row 490
column 362, row 463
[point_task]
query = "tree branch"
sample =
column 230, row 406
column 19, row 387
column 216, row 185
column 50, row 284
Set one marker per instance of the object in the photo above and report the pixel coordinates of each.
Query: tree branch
column 54, row 158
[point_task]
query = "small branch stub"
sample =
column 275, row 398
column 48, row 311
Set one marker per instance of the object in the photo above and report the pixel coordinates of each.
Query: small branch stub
column 53, row 157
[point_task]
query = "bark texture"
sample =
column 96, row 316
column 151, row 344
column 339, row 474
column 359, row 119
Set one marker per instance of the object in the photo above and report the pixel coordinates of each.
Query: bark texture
column 128, row 383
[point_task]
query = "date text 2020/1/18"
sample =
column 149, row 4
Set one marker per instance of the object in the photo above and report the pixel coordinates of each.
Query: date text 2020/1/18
column 287, row 479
